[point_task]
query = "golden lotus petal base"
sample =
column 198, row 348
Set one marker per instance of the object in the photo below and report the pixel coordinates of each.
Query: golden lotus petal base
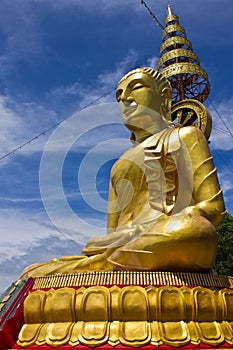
column 131, row 315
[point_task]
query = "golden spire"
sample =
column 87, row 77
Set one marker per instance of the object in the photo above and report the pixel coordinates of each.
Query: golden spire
column 180, row 64
column 170, row 16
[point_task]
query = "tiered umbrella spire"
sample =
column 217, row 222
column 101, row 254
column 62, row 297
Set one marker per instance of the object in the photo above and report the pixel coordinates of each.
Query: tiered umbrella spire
column 180, row 64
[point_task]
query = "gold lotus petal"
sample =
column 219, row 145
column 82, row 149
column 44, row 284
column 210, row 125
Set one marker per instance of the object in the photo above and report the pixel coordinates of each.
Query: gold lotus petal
column 210, row 333
column 135, row 333
column 174, row 333
column 41, row 338
column 28, row 334
column 75, row 334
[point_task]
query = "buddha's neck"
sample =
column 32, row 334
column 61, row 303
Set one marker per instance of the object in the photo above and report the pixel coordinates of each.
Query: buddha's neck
column 158, row 124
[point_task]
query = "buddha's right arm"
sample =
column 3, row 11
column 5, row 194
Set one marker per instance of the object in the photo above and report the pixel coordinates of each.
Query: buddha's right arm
column 113, row 212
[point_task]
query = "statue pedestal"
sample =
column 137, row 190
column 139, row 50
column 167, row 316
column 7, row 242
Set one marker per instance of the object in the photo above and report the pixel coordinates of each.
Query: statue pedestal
column 123, row 309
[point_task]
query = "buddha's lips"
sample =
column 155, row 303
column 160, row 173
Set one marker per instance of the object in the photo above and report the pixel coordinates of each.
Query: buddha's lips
column 130, row 109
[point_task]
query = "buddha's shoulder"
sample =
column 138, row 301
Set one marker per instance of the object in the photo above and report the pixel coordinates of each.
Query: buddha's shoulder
column 130, row 155
column 191, row 134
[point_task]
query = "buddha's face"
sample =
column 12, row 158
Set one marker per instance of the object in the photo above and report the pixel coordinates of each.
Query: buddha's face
column 138, row 97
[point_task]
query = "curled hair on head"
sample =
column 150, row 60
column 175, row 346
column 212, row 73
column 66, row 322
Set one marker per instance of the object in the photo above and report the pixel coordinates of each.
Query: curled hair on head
column 163, row 85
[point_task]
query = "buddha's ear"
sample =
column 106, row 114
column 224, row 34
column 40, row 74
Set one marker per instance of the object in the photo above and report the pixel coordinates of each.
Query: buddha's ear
column 165, row 108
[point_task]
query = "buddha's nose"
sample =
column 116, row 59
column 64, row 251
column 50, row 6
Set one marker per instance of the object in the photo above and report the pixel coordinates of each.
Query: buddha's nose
column 126, row 96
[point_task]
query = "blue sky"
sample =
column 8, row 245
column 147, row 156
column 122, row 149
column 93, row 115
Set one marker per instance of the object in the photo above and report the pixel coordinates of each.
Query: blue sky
column 55, row 58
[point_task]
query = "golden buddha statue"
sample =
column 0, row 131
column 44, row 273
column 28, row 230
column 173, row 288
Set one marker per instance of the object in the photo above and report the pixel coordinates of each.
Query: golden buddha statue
column 164, row 196
column 164, row 204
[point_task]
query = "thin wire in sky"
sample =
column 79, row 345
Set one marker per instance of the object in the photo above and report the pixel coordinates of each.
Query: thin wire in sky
column 52, row 127
column 220, row 117
column 221, row 158
column 158, row 23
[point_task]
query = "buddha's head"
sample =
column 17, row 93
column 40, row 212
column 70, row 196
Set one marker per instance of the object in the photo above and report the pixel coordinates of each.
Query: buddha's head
column 143, row 95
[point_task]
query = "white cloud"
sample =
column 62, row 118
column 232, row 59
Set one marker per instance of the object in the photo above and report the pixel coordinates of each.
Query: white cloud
column 27, row 236
column 20, row 255
column 152, row 61
column 20, row 200
column 21, row 27
column 9, row 123
column 226, row 182
column 225, row 179
column 111, row 78
column 21, row 122
column 23, row 227
column 104, row 83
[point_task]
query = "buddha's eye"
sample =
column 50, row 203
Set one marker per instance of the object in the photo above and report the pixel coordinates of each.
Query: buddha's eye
column 137, row 86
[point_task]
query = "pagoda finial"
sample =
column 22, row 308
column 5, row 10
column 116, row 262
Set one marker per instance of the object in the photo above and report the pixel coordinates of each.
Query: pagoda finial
column 169, row 10
column 179, row 64
column 170, row 16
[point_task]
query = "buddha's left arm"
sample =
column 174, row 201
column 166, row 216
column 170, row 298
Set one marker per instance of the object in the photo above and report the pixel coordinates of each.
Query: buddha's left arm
column 207, row 194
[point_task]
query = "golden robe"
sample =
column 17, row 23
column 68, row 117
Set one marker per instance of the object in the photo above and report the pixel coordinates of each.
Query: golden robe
column 164, row 204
